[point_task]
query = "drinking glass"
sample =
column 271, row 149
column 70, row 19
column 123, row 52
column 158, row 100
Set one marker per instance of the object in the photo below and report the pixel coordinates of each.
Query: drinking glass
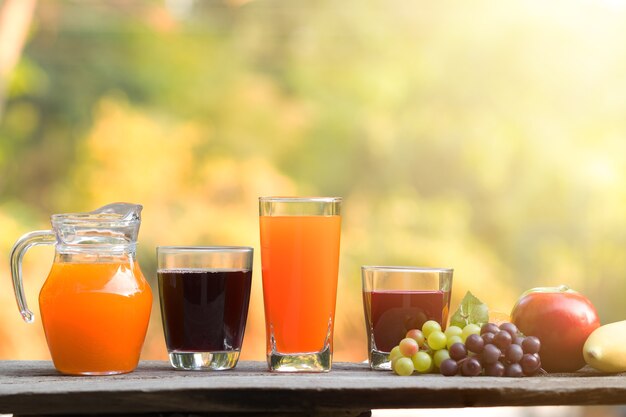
column 397, row 299
column 300, row 259
column 205, row 293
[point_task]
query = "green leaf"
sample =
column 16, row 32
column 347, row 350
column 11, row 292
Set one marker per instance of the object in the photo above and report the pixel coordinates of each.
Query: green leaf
column 471, row 310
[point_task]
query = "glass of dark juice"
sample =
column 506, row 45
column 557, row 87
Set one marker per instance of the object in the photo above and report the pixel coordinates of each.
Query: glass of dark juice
column 204, row 293
column 397, row 299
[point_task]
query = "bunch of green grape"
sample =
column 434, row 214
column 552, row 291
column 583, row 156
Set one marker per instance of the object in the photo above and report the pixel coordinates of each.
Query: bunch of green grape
column 490, row 350
column 424, row 350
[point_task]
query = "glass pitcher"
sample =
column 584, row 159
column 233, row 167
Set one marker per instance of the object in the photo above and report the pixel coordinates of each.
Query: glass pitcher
column 95, row 304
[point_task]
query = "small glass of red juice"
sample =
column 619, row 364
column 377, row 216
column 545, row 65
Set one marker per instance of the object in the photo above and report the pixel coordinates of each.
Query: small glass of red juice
column 204, row 293
column 397, row 299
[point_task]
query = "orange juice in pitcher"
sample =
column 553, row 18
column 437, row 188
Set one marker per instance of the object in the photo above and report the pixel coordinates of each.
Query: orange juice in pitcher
column 95, row 304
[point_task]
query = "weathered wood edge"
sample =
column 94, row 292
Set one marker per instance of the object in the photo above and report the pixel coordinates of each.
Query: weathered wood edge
column 154, row 388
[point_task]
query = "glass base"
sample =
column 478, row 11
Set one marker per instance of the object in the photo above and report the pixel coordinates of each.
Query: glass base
column 199, row 361
column 301, row 362
column 379, row 361
column 96, row 373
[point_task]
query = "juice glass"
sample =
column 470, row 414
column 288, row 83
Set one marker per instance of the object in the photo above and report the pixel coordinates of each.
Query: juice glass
column 397, row 299
column 300, row 260
column 204, row 292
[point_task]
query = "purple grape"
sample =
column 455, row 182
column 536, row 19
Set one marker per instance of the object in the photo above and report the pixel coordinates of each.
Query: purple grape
column 502, row 340
column 510, row 328
column 513, row 370
column 518, row 340
column 488, row 338
column 489, row 328
column 491, row 354
column 449, row 367
column 457, row 351
column 471, row 367
column 530, row 364
column 494, row 369
column 531, row 344
column 474, row 343
column 514, row 354
column 478, row 357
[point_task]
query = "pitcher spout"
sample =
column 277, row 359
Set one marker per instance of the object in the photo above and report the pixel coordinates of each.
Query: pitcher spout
column 125, row 211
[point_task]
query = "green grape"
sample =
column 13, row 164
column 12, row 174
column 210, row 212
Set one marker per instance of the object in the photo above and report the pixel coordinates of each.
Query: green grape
column 470, row 329
column 395, row 360
column 437, row 340
column 453, row 331
column 422, row 362
column 440, row 356
column 408, row 347
column 452, row 340
column 429, row 327
column 416, row 335
column 395, row 353
column 403, row 366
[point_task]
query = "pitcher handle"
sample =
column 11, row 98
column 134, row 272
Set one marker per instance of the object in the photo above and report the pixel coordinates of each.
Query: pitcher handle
column 39, row 237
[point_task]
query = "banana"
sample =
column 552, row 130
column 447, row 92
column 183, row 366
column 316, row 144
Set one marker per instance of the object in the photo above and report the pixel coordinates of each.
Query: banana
column 605, row 348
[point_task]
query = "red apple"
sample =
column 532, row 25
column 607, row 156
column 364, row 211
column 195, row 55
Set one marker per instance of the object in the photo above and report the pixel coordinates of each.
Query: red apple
column 562, row 319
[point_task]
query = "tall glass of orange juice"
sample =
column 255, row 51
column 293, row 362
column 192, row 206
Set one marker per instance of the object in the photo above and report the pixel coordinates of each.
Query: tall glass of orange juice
column 300, row 261
column 95, row 304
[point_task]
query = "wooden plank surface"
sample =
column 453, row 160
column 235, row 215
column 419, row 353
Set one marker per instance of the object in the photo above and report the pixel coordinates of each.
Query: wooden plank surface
column 34, row 387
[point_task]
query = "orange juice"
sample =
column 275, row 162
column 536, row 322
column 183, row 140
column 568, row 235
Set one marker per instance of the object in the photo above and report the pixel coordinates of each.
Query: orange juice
column 300, row 257
column 95, row 316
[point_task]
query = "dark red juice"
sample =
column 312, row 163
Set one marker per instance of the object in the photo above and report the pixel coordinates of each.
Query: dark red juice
column 204, row 311
column 393, row 313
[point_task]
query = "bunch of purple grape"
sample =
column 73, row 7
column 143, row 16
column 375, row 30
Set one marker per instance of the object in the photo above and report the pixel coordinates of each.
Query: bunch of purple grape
column 497, row 351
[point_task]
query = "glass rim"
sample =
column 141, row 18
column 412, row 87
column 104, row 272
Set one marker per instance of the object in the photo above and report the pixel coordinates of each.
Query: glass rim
column 204, row 249
column 89, row 218
column 301, row 199
column 405, row 269
column 105, row 216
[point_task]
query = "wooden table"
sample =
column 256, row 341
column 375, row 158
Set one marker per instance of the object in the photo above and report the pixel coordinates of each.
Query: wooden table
column 35, row 388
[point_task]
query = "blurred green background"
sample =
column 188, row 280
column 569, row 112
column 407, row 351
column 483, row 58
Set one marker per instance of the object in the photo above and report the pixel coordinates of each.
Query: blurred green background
column 485, row 136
